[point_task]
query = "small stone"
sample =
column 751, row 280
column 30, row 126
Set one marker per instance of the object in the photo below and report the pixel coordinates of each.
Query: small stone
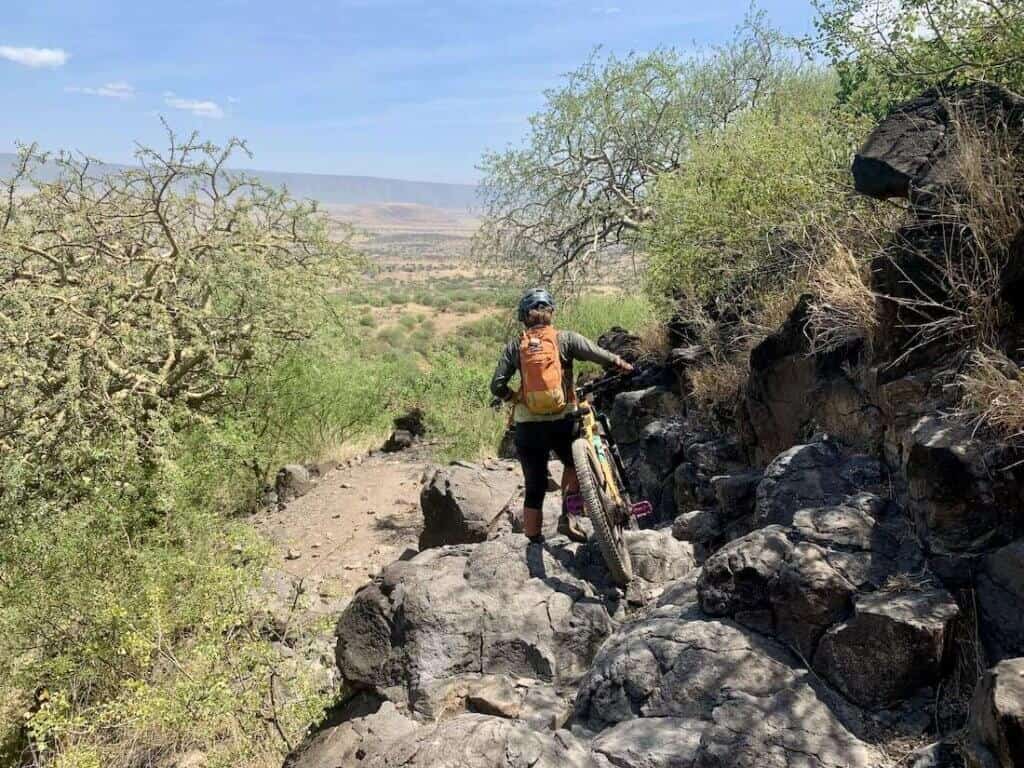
column 292, row 554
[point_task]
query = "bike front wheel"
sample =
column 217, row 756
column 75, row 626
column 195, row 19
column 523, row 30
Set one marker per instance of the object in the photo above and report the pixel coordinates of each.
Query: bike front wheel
column 599, row 510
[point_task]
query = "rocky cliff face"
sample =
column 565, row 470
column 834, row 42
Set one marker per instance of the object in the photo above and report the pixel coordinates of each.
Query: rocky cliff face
column 820, row 591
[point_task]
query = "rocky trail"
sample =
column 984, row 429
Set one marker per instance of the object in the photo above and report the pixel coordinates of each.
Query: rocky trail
column 835, row 581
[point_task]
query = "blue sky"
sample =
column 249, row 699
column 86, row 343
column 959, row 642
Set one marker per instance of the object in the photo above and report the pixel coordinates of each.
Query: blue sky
column 398, row 88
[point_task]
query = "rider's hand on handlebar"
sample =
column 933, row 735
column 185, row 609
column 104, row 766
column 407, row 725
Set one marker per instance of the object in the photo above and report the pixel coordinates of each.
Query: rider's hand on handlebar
column 624, row 365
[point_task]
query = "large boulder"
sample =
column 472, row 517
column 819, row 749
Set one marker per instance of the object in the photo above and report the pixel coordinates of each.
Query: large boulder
column 657, row 557
column 914, row 154
column 632, row 411
column 501, row 607
column 651, row 461
column 707, row 457
column 817, row 474
column 462, row 503
column 735, row 580
column 996, row 727
column 911, row 154
column 649, row 742
column 364, row 727
column 1000, row 592
column 808, row 596
column 736, row 494
column 963, row 494
column 895, row 642
column 708, row 693
column 481, row 741
column 792, row 393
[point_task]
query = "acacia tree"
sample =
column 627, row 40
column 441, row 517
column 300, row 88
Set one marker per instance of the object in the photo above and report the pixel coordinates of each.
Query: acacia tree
column 128, row 295
column 579, row 185
column 888, row 50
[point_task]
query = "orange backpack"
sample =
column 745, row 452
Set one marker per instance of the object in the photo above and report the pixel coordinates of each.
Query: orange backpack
column 540, row 367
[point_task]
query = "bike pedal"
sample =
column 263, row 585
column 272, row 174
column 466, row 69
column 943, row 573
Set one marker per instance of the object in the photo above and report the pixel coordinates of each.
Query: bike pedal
column 641, row 509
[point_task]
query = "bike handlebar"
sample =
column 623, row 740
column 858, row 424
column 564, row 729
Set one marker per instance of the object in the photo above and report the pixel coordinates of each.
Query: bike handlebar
column 605, row 382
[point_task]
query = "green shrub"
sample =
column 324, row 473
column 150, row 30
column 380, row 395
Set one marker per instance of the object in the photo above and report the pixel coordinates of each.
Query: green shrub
column 137, row 419
column 743, row 211
column 889, row 52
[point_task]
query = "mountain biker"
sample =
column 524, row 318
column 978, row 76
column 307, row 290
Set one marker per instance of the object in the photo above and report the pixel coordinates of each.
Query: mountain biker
column 544, row 405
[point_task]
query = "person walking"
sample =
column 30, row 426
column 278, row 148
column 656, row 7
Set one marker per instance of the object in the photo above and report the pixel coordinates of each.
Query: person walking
column 545, row 404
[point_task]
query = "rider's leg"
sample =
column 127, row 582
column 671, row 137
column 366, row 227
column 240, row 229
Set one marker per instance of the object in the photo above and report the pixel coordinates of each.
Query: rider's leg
column 570, row 484
column 533, row 456
column 533, row 522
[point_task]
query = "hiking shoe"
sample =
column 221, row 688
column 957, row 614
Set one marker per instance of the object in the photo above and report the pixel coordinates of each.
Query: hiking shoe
column 567, row 527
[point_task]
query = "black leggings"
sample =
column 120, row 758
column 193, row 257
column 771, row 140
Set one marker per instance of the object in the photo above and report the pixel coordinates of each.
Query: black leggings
column 535, row 440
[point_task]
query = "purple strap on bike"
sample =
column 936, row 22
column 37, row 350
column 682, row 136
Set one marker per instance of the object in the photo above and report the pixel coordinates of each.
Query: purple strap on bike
column 641, row 509
column 574, row 504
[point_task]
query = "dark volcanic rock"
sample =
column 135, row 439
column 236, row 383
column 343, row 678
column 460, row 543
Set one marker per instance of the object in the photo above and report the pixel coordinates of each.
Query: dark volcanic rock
column 911, row 154
column 808, row 596
column 792, row 393
column 657, row 557
column 894, row 644
column 1000, row 592
column 962, row 497
column 482, row 741
column 813, row 475
column 632, row 411
column 708, row 693
column 996, row 727
column 400, row 440
column 292, row 481
column 500, row 607
column 735, row 580
column 462, row 503
column 620, row 341
column 365, row 726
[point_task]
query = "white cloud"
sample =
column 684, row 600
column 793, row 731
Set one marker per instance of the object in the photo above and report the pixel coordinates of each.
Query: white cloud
column 35, row 57
column 118, row 90
column 608, row 10
column 199, row 108
column 233, row 99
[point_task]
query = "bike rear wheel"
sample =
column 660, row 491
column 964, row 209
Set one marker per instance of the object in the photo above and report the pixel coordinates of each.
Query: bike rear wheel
column 608, row 534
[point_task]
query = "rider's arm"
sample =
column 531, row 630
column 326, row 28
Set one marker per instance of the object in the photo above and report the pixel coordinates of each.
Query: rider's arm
column 581, row 348
column 508, row 364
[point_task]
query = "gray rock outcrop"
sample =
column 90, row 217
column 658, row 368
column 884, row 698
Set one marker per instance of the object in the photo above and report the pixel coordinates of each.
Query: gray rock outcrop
column 463, row 502
column 996, row 729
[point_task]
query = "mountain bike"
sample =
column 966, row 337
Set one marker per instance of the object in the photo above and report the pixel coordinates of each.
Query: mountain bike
column 605, row 494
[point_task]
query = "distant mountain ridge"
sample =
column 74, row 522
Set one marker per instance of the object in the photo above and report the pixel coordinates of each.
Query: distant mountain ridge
column 344, row 190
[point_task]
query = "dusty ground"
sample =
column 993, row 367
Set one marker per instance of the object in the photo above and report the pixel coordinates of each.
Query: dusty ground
column 355, row 520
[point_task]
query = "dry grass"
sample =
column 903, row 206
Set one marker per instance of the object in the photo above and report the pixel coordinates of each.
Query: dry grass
column 654, row 343
column 773, row 308
column 992, row 394
column 845, row 308
column 717, row 386
column 981, row 218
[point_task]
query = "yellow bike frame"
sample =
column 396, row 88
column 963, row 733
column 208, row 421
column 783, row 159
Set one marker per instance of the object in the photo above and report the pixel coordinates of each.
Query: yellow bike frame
column 600, row 460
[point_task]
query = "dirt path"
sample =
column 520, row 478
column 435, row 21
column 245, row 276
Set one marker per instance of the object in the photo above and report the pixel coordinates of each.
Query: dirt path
column 355, row 520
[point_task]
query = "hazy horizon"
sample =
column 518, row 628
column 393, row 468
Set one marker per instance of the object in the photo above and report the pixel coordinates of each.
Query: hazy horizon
column 394, row 89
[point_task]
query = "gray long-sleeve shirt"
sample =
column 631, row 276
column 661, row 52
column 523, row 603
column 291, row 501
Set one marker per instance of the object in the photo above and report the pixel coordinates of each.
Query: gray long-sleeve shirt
column 571, row 346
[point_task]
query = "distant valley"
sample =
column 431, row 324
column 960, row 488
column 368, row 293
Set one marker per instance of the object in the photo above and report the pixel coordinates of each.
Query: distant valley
column 342, row 190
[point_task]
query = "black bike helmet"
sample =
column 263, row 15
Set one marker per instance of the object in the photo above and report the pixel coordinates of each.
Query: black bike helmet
column 537, row 297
